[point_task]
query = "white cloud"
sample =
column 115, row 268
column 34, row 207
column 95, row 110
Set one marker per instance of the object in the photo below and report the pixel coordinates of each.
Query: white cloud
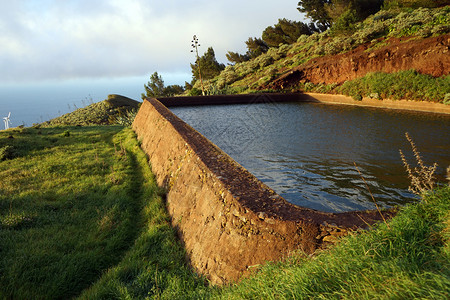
column 53, row 39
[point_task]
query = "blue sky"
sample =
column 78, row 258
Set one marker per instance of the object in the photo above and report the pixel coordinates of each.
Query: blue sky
column 51, row 40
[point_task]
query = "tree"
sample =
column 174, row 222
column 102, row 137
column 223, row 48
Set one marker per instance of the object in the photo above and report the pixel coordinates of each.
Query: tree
column 172, row 90
column 256, row 47
column 273, row 36
column 325, row 13
column 346, row 13
column 235, row 57
column 365, row 8
column 155, row 88
column 285, row 32
column 315, row 10
column 209, row 66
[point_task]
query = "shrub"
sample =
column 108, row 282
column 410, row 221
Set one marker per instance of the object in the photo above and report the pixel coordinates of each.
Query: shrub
column 346, row 22
column 440, row 29
column 195, row 92
column 447, row 99
column 383, row 15
column 264, row 60
column 228, row 76
column 413, row 3
column 283, row 50
column 273, row 52
column 125, row 118
column 338, row 44
column 303, row 38
column 401, row 85
column 369, row 33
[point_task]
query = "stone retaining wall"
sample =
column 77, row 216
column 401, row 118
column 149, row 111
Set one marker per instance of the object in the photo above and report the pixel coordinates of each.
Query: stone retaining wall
column 228, row 220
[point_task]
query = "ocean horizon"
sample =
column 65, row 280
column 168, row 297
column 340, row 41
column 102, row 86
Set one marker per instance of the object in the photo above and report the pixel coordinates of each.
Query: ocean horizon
column 31, row 103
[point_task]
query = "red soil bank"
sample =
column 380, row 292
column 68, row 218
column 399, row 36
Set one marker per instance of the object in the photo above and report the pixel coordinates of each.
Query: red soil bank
column 427, row 56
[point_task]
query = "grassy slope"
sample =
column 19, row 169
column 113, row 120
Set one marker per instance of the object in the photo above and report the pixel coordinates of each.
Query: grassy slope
column 70, row 206
column 81, row 214
column 255, row 74
column 114, row 110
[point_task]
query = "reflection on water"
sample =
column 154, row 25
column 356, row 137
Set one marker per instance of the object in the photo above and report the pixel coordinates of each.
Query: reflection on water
column 306, row 151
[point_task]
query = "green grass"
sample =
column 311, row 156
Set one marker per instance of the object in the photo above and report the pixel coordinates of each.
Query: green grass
column 410, row 259
column 409, row 85
column 81, row 216
column 71, row 206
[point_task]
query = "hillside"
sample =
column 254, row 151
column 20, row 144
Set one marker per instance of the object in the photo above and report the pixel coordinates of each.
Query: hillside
column 114, row 110
column 388, row 42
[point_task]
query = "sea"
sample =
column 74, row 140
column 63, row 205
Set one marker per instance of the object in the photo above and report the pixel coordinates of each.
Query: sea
column 36, row 102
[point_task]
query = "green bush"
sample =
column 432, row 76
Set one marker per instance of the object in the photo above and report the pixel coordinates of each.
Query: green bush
column 447, row 99
column 284, row 49
column 338, row 44
column 126, row 118
column 401, row 85
column 413, row 3
column 368, row 33
column 195, row 92
column 346, row 22
column 264, row 61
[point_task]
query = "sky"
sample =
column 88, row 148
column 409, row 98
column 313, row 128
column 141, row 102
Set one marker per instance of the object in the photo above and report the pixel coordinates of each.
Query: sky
column 60, row 40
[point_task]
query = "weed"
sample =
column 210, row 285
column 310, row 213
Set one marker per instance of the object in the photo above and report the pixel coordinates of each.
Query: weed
column 124, row 118
column 422, row 177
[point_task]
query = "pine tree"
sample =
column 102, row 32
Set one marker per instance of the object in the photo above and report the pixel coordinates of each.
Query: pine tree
column 155, row 87
column 315, row 10
column 208, row 64
column 256, row 47
column 235, row 57
column 285, row 32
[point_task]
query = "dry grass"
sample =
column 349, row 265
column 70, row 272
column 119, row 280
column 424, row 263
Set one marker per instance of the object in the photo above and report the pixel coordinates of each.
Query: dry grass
column 422, row 176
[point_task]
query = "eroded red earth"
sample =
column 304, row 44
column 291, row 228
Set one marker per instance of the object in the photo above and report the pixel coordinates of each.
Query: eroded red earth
column 428, row 56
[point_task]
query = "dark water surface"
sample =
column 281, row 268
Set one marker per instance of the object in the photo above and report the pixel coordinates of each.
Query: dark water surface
column 306, row 151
